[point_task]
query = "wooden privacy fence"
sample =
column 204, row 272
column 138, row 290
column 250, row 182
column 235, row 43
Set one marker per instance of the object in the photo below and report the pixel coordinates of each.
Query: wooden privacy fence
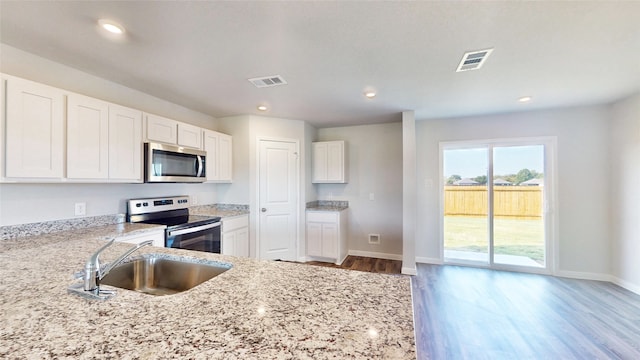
column 523, row 202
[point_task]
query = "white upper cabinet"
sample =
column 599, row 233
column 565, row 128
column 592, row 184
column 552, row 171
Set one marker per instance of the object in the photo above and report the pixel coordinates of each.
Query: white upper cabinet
column 189, row 135
column 87, row 138
column 161, row 129
column 104, row 141
column 125, row 143
column 169, row 131
column 219, row 156
column 329, row 162
column 34, row 130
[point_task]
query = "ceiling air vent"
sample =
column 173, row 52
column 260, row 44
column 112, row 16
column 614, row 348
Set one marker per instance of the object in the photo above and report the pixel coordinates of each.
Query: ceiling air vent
column 268, row 81
column 473, row 60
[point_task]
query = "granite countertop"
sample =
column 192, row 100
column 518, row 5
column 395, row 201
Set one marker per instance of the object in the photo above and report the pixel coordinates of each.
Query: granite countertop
column 222, row 210
column 327, row 205
column 256, row 310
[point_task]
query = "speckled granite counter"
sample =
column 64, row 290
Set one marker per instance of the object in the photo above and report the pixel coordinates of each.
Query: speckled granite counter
column 256, row 310
column 222, row 210
column 327, row 205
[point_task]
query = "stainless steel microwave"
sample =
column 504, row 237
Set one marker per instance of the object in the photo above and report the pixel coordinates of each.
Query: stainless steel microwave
column 170, row 163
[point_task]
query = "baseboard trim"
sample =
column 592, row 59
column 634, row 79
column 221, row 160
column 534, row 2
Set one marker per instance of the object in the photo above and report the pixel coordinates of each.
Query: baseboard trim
column 409, row 271
column 376, row 255
column 428, row 260
column 584, row 275
column 626, row 284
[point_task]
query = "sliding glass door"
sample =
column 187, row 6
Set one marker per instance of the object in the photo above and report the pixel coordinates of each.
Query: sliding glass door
column 495, row 202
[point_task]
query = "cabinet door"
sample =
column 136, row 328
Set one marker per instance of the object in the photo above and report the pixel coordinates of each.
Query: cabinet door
column 319, row 162
column 125, row 143
column 242, row 242
column 219, row 156
column 330, row 240
column 314, row 239
column 161, row 129
column 211, row 144
column 229, row 243
column 34, row 130
column 189, row 135
column 87, row 138
column 335, row 161
column 225, row 158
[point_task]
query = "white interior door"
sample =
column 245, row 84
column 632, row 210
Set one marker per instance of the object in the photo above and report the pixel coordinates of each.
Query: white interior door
column 278, row 199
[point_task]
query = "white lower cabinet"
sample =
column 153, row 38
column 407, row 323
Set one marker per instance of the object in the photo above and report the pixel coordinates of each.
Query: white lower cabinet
column 327, row 235
column 156, row 236
column 235, row 236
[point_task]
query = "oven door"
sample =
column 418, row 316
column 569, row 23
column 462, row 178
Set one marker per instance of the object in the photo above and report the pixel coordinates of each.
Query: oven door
column 200, row 238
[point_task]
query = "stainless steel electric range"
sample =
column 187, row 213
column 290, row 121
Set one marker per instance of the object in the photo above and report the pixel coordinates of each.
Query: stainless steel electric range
column 184, row 231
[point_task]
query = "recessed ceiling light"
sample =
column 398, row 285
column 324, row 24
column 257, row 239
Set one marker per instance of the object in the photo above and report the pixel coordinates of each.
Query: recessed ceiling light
column 262, row 107
column 370, row 94
column 111, row 26
column 525, row 99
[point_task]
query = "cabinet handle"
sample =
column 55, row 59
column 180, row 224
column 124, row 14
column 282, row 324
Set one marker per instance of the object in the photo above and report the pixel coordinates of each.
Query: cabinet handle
column 263, row 209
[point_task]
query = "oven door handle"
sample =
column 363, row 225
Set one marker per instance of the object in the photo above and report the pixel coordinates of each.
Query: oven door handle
column 193, row 229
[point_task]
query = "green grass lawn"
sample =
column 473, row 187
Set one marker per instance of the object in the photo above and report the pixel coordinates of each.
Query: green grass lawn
column 511, row 236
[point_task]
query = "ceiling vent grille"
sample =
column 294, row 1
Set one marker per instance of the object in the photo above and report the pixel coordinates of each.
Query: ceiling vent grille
column 268, row 81
column 473, row 60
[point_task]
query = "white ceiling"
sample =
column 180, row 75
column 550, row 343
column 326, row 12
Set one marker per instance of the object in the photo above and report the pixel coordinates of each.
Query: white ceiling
column 200, row 54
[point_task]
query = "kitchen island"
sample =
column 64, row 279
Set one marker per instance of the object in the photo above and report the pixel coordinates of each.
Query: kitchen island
column 256, row 310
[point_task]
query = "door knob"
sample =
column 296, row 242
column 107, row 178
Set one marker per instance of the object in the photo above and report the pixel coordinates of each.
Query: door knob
column 264, row 209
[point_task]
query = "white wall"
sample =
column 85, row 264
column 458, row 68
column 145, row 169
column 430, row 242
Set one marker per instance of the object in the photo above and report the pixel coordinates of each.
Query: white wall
column 238, row 191
column 374, row 167
column 625, row 192
column 583, row 179
column 26, row 203
column 246, row 130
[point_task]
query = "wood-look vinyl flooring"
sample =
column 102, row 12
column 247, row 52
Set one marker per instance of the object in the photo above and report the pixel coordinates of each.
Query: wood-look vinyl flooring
column 368, row 264
column 471, row 313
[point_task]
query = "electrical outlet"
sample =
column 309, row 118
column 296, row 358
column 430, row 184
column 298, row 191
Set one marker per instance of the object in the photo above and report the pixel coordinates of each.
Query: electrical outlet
column 81, row 209
column 374, row 238
column 372, row 196
column 194, row 200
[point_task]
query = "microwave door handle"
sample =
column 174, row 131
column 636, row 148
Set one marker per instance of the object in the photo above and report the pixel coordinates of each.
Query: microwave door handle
column 199, row 166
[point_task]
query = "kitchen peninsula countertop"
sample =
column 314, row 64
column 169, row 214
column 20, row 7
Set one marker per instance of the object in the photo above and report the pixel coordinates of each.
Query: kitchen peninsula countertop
column 256, row 310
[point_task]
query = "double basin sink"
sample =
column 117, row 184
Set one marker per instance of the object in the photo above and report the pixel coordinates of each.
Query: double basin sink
column 163, row 274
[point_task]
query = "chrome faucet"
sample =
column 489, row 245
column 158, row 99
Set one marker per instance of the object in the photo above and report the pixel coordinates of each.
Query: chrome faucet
column 92, row 273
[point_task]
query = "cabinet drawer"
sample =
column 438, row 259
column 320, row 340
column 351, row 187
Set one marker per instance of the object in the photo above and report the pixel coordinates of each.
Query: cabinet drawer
column 322, row 216
column 235, row 223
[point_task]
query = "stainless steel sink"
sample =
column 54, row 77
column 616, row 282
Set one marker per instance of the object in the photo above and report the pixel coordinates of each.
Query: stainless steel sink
column 163, row 274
